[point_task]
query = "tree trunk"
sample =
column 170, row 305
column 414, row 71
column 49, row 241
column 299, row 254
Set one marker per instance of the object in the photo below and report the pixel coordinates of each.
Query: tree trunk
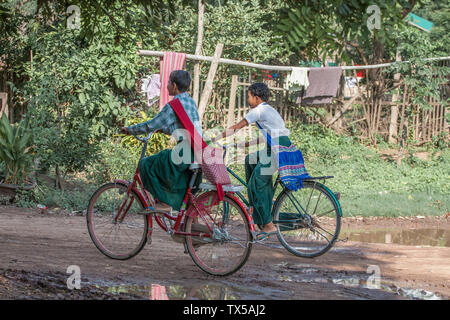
column 394, row 108
column 59, row 183
column 198, row 51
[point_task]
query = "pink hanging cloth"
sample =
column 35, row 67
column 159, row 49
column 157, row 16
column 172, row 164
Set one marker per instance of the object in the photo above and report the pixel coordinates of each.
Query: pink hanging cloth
column 171, row 61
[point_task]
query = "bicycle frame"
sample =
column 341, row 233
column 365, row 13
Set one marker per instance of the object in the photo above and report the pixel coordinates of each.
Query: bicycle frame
column 137, row 186
column 277, row 182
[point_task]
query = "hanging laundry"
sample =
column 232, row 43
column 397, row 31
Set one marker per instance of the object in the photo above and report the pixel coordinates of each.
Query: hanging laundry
column 152, row 87
column 297, row 79
column 266, row 74
column 351, row 82
column 171, row 61
column 351, row 88
column 323, row 85
column 360, row 74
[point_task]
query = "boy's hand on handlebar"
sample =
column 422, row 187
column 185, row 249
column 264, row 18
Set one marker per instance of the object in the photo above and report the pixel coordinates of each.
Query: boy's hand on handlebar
column 124, row 130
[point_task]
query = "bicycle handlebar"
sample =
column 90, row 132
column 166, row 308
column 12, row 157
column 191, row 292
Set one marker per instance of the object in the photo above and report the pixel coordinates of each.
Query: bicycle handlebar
column 143, row 139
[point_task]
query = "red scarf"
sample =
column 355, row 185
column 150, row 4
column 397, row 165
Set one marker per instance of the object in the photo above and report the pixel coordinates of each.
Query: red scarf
column 197, row 142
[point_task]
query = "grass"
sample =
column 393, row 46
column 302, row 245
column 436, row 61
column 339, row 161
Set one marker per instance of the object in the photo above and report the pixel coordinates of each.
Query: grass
column 395, row 204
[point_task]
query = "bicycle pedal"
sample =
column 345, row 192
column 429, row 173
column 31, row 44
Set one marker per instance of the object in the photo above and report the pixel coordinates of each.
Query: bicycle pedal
column 158, row 214
column 146, row 211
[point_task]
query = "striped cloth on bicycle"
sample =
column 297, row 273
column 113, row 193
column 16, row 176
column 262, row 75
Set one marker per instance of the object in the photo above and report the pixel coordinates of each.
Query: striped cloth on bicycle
column 291, row 165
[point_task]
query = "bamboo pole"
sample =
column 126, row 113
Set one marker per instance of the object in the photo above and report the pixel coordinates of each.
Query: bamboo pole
column 209, row 80
column 417, row 136
column 433, row 118
column 232, row 102
column 270, row 67
column 393, row 129
column 198, row 50
column 341, row 112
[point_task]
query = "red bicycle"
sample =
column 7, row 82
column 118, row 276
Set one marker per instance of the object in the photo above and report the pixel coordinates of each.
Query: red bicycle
column 217, row 234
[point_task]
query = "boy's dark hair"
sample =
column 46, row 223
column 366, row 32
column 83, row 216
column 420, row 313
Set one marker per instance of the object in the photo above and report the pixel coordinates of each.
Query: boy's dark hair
column 261, row 90
column 181, row 78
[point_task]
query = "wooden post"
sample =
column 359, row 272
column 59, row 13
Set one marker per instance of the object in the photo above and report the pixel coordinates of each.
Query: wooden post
column 4, row 106
column 393, row 129
column 232, row 103
column 339, row 113
column 209, row 81
column 198, row 51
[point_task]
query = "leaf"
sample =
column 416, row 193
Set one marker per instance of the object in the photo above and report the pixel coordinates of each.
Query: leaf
column 82, row 98
column 130, row 83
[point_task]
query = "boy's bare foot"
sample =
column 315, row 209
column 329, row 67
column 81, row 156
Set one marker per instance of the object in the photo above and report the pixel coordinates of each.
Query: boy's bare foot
column 162, row 207
column 270, row 227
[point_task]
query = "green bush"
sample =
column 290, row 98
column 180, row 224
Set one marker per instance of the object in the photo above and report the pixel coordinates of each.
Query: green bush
column 72, row 200
column 158, row 141
column 114, row 162
column 15, row 150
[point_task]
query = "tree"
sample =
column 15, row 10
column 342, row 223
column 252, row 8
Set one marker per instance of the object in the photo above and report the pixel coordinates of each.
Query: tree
column 74, row 95
column 347, row 30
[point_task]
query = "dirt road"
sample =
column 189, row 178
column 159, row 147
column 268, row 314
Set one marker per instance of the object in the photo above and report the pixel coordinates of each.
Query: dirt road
column 36, row 250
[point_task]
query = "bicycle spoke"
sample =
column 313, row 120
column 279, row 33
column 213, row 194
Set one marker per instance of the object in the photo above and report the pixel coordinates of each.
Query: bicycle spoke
column 321, row 235
column 322, row 214
column 317, row 203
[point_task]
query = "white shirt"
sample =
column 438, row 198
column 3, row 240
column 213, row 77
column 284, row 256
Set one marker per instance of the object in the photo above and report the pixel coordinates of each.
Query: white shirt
column 269, row 119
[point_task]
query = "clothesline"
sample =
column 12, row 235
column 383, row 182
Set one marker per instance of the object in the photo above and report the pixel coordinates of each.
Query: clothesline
column 274, row 68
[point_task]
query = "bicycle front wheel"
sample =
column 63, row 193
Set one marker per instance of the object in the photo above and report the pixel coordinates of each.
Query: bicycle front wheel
column 227, row 244
column 315, row 233
column 114, row 223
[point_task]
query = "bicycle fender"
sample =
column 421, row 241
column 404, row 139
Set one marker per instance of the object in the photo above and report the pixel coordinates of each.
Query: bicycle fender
column 332, row 194
column 126, row 183
column 247, row 215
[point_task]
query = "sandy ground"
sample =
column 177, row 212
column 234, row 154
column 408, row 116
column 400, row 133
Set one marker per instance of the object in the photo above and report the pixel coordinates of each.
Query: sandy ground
column 36, row 250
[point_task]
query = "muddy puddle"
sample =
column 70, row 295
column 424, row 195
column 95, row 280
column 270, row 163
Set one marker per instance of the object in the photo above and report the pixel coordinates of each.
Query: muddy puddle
column 342, row 285
column 413, row 237
column 366, row 285
column 187, row 291
column 358, row 287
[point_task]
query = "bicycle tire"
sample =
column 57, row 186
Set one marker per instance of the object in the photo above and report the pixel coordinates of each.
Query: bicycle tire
column 237, row 239
column 94, row 228
column 291, row 227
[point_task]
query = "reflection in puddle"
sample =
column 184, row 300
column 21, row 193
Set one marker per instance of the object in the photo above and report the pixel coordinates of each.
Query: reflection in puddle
column 416, row 237
column 191, row 292
column 306, row 273
column 218, row 292
column 404, row 292
column 175, row 292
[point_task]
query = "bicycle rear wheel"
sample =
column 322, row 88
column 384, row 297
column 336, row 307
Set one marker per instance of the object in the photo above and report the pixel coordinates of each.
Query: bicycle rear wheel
column 227, row 245
column 120, row 237
column 315, row 234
